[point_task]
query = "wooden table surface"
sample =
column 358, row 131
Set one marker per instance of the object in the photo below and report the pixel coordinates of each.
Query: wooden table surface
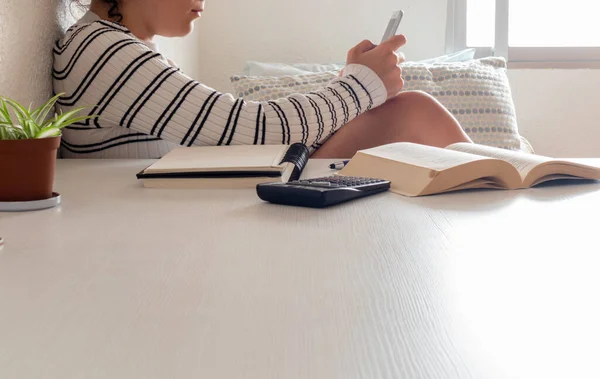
column 125, row 282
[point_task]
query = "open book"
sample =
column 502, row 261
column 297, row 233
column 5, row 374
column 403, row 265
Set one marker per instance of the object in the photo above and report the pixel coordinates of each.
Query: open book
column 221, row 167
column 417, row 170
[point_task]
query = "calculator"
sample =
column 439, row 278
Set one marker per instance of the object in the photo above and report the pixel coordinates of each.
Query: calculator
column 321, row 192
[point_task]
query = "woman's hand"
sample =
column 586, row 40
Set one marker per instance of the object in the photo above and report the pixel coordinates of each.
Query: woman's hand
column 382, row 59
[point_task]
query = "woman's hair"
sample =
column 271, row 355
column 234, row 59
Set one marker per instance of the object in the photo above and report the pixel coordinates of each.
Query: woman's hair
column 113, row 11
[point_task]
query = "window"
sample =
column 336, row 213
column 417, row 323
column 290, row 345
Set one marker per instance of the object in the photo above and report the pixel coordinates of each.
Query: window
column 535, row 32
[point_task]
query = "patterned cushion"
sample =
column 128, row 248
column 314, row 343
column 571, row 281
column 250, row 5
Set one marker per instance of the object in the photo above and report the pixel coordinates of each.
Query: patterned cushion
column 476, row 92
column 264, row 88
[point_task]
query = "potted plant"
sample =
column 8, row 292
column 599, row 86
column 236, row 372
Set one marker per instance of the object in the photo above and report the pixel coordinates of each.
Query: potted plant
column 29, row 141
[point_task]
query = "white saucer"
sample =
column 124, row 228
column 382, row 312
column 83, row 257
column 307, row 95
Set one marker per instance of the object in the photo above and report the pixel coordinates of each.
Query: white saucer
column 21, row 206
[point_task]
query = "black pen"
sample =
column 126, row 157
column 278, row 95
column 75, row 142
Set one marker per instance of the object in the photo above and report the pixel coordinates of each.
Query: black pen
column 338, row 165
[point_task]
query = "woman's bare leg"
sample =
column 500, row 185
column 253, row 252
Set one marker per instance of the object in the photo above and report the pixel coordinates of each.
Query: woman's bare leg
column 409, row 117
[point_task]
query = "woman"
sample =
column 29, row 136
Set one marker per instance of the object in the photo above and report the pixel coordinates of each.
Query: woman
column 146, row 106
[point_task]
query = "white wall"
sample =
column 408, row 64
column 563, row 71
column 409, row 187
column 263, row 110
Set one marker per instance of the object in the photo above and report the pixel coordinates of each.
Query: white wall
column 557, row 109
column 28, row 30
column 233, row 31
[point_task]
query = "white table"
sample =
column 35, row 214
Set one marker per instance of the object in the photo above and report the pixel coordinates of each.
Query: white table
column 126, row 282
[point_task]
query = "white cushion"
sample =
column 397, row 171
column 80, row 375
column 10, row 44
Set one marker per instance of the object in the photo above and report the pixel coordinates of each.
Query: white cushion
column 476, row 92
column 459, row 56
column 254, row 68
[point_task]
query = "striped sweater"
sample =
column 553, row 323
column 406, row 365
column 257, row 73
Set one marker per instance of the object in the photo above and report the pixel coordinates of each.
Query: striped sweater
column 145, row 106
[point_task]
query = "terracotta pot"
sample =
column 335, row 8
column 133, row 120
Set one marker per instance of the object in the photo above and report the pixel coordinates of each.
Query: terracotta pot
column 27, row 169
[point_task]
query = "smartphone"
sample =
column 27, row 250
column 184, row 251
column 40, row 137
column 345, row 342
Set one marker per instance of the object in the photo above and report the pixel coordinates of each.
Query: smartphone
column 393, row 25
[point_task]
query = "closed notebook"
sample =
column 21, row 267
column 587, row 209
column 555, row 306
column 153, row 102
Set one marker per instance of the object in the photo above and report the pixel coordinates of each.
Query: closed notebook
column 242, row 166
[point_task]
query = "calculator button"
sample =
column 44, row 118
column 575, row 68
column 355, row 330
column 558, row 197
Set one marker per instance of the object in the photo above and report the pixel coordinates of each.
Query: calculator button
column 318, row 185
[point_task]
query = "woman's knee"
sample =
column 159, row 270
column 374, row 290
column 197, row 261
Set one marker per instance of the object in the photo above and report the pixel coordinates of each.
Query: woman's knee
column 423, row 114
column 411, row 106
column 418, row 99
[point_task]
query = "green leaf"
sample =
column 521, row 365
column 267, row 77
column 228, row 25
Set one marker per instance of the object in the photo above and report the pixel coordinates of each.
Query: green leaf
column 50, row 122
column 4, row 112
column 20, row 110
column 12, row 133
column 74, row 120
column 2, row 116
column 20, row 133
column 7, row 125
column 29, row 129
column 32, row 127
column 22, row 115
column 48, row 132
column 62, row 120
column 41, row 113
column 35, row 124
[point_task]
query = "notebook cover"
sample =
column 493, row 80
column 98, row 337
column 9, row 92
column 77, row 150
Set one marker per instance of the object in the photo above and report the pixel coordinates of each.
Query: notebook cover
column 199, row 175
column 297, row 153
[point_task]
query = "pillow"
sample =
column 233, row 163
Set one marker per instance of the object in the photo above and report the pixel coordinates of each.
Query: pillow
column 459, row 56
column 253, row 68
column 263, row 88
column 476, row 92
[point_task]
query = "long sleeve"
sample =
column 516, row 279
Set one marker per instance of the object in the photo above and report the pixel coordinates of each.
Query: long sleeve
column 132, row 87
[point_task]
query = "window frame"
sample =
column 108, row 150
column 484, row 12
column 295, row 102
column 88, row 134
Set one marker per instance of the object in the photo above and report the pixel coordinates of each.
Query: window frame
column 517, row 57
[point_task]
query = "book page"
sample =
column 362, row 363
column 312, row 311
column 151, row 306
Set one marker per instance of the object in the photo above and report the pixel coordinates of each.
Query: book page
column 430, row 157
column 418, row 170
column 563, row 169
column 221, row 158
column 523, row 162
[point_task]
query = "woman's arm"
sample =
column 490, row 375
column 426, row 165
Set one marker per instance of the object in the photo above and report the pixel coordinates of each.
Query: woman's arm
column 136, row 88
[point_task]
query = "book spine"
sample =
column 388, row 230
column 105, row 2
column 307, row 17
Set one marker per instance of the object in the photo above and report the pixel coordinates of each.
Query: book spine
column 298, row 154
